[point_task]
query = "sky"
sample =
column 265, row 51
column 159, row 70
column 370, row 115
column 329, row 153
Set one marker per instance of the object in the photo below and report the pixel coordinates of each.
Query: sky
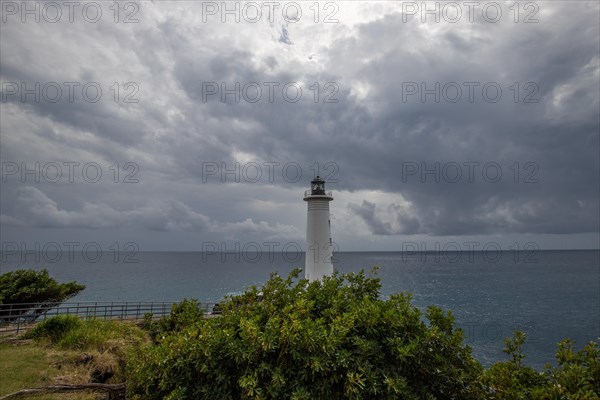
column 181, row 126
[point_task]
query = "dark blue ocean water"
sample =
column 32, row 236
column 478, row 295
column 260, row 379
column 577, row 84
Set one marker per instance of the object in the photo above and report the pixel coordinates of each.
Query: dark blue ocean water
column 550, row 294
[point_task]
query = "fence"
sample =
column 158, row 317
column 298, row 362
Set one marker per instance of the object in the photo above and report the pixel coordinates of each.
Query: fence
column 16, row 318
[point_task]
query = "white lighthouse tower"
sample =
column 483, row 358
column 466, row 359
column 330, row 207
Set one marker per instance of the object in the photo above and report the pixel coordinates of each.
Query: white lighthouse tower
column 319, row 247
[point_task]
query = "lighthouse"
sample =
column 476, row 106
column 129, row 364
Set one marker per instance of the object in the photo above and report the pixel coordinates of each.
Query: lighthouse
column 319, row 247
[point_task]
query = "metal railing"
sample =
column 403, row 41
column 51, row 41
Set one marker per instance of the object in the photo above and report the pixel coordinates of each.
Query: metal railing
column 16, row 318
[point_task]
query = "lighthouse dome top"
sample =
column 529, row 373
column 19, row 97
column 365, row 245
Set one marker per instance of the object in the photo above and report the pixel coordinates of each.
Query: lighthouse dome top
column 317, row 186
column 317, row 189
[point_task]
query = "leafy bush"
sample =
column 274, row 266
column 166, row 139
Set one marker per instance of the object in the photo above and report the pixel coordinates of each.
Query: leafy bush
column 36, row 287
column 182, row 315
column 54, row 328
column 577, row 376
column 333, row 339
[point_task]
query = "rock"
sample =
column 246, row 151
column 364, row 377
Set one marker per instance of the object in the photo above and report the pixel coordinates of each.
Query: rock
column 101, row 374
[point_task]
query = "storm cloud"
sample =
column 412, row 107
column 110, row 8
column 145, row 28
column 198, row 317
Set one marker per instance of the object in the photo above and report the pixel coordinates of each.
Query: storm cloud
column 465, row 128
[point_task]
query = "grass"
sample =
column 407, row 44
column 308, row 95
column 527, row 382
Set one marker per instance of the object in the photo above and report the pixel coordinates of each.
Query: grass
column 69, row 358
column 30, row 366
column 69, row 332
column 103, row 336
column 23, row 367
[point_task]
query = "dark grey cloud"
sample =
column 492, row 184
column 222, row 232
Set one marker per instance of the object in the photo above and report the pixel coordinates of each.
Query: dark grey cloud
column 36, row 210
column 397, row 220
column 547, row 151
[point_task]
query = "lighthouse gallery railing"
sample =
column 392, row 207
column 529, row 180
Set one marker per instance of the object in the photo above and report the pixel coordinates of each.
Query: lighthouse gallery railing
column 309, row 192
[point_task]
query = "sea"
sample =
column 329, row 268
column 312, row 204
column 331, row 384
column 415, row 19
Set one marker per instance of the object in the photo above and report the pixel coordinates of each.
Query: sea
column 550, row 295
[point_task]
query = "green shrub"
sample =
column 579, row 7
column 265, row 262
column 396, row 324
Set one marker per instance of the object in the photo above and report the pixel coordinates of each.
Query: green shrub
column 577, row 376
column 333, row 339
column 182, row 315
column 55, row 328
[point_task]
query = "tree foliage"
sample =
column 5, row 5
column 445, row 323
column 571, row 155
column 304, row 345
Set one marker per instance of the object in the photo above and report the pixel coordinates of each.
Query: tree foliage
column 292, row 339
column 182, row 315
column 36, row 289
column 576, row 377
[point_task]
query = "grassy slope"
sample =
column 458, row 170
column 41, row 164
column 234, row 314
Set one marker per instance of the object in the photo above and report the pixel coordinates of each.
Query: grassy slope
column 32, row 365
column 42, row 363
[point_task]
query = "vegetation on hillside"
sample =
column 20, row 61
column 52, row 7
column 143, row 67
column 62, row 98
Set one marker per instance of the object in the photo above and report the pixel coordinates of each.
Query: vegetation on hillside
column 71, row 332
column 291, row 339
column 72, row 353
column 334, row 339
column 577, row 376
column 30, row 365
column 337, row 339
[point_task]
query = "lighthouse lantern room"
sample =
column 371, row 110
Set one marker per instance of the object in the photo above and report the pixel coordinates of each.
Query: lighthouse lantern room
column 319, row 247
